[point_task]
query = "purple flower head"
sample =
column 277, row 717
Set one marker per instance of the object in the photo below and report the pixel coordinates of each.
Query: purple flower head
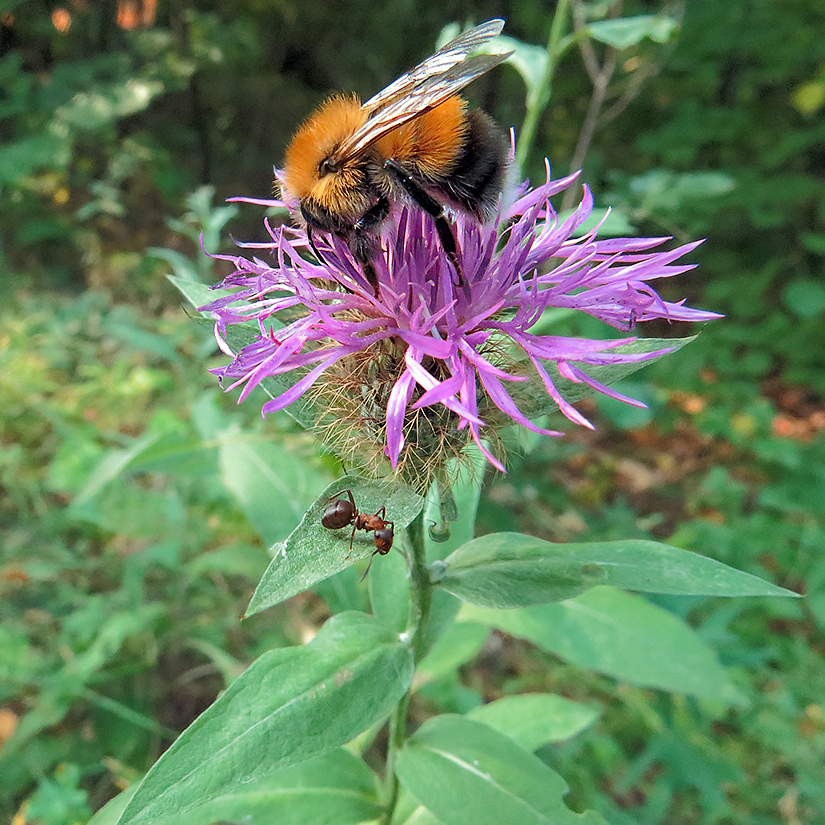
column 435, row 359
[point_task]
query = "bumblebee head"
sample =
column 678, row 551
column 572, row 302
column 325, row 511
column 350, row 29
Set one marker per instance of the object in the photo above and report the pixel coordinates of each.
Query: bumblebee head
column 308, row 160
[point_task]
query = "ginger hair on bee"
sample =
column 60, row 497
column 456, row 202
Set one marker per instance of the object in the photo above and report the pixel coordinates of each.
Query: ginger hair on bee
column 430, row 142
column 317, row 137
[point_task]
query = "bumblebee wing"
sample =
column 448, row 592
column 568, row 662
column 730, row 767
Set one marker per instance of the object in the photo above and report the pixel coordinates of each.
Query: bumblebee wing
column 446, row 57
column 424, row 97
column 439, row 77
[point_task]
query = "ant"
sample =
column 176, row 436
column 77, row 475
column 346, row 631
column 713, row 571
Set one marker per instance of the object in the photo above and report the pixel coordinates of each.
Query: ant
column 341, row 513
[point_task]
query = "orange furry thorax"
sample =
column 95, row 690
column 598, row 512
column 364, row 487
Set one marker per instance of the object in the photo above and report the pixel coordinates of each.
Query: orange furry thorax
column 429, row 143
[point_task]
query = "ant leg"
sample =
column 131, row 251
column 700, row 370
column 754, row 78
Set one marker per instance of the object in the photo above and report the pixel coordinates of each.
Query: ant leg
column 320, row 257
column 351, row 540
column 369, row 564
column 349, row 496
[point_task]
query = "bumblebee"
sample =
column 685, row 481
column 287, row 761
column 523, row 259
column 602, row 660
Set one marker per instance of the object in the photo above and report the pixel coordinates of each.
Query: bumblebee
column 416, row 140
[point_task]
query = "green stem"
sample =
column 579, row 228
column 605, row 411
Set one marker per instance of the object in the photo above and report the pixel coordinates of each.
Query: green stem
column 421, row 591
column 397, row 732
column 541, row 96
column 420, row 585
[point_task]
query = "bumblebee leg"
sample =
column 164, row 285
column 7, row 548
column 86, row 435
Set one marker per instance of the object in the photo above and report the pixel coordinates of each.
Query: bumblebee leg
column 311, row 239
column 363, row 248
column 373, row 216
column 320, row 257
column 362, row 242
column 433, row 208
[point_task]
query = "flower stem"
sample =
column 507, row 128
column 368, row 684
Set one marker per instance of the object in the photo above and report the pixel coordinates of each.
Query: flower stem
column 539, row 98
column 397, row 731
column 421, row 591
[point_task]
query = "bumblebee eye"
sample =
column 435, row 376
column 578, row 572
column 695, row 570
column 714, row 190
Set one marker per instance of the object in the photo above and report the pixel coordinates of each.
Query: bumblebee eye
column 327, row 167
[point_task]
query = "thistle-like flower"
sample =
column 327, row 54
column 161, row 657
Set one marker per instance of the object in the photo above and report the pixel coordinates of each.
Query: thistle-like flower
column 435, row 360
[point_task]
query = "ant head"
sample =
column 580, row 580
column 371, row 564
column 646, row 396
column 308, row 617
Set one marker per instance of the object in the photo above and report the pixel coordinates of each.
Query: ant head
column 383, row 538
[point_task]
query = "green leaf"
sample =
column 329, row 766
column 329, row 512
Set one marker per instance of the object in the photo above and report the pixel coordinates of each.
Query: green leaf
column 233, row 560
column 20, row 158
column 531, row 62
column 621, row 635
column 114, row 463
column 661, row 191
column 334, row 788
column 629, row 31
column 409, row 812
column 313, row 553
column 107, row 102
column 814, row 242
column 389, row 586
column 516, row 570
column 58, row 799
column 808, row 98
column 179, row 454
column 460, row 643
column 341, row 592
column 187, row 282
column 534, row 719
column 239, row 335
column 623, row 415
column 805, row 298
column 197, row 293
column 463, row 772
column 111, row 811
column 534, row 401
column 271, row 483
column 306, row 412
column 289, row 706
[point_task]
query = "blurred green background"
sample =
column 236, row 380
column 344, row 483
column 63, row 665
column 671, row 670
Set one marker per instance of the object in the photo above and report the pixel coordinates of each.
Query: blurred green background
column 137, row 502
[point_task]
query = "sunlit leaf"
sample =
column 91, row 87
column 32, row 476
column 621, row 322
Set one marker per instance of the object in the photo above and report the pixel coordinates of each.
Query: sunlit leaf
column 530, row 61
column 625, row 32
column 621, row 635
column 110, row 813
column 516, row 570
column 273, row 484
column 534, row 401
column 465, row 772
column 459, row 643
column 533, row 719
column 289, row 706
column 312, row 552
